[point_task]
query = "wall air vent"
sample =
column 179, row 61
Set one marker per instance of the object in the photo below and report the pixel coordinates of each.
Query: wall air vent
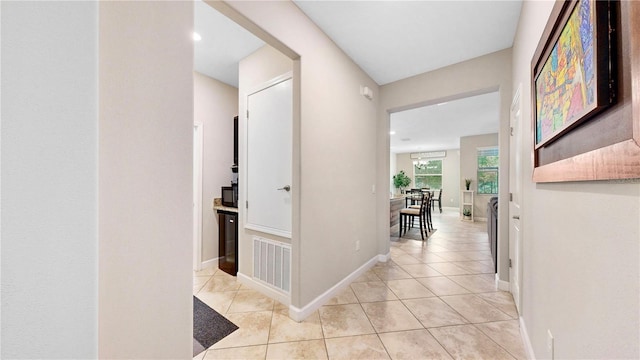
column 272, row 263
column 429, row 154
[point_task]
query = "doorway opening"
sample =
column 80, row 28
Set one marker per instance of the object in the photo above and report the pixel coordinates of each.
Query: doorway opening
column 237, row 53
column 436, row 145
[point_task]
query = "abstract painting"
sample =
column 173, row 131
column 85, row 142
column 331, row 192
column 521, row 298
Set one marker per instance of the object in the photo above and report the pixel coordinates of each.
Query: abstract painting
column 566, row 86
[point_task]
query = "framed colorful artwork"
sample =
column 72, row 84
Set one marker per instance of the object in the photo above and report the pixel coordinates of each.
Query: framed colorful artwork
column 573, row 76
column 585, row 90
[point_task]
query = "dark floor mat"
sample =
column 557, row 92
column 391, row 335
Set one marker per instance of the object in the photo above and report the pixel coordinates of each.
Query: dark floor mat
column 209, row 327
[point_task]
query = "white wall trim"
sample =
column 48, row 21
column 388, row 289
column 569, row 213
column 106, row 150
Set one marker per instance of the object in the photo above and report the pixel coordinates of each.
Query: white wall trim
column 209, row 263
column 501, row 284
column 264, row 289
column 525, row 340
column 299, row 315
column 268, row 230
column 269, row 83
column 384, row 257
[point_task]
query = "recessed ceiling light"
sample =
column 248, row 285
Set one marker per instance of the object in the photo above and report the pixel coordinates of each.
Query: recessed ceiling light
column 392, row 132
column 196, row 36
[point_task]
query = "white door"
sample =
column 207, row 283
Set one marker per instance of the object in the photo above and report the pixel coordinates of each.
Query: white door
column 515, row 179
column 269, row 157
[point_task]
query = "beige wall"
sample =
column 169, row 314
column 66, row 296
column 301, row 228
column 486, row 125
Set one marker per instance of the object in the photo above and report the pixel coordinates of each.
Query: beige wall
column 480, row 75
column 450, row 174
column 49, row 180
column 581, row 278
column 403, row 163
column 337, row 139
column 450, row 179
column 145, row 180
column 215, row 105
column 469, row 169
column 256, row 69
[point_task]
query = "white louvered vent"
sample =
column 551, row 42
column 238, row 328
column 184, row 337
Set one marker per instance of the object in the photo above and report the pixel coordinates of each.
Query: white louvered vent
column 272, row 263
column 429, row 154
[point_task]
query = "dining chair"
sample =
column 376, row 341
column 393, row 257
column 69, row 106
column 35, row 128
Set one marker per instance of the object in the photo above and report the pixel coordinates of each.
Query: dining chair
column 439, row 200
column 413, row 198
column 428, row 198
column 408, row 215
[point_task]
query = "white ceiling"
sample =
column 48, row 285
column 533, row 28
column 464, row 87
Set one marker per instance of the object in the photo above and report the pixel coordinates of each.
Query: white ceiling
column 439, row 127
column 393, row 40
column 390, row 40
column 224, row 43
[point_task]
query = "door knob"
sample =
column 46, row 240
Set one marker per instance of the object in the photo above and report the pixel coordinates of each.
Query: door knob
column 516, row 217
column 285, row 188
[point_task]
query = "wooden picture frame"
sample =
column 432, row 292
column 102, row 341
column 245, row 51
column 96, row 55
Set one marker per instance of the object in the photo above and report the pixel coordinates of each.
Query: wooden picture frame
column 572, row 77
column 604, row 145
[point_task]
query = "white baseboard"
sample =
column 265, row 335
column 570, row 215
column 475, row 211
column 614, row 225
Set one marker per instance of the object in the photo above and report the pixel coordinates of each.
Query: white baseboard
column 264, row 289
column 526, row 341
column 209, row 263
column 384, row 258
column 300, row 314
column 502, row 285
column 480, row 219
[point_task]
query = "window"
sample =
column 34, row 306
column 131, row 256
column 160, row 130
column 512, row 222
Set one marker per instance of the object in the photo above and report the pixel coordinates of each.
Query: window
column 488, row 161
column 427, row 174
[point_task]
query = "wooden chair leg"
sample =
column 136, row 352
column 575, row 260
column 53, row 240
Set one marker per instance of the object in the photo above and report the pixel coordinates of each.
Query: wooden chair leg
column 404, row 223
column 426, row 222
column 431, row 220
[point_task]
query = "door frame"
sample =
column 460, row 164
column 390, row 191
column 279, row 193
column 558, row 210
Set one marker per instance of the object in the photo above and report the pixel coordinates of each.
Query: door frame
column 515, row 253
column 272, row 82
column 198, row 139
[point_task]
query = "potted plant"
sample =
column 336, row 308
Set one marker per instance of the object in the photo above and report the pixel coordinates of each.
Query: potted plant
column 401, row 181
column 467, row 214
column 467, row 183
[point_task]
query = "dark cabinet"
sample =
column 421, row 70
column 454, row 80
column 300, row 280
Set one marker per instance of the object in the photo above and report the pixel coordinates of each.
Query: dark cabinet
column 234, row 168
column 228, row 242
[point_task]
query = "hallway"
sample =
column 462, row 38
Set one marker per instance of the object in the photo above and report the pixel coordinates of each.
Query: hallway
column 433, row 300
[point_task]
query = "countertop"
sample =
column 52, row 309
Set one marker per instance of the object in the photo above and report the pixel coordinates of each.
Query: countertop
column 217, row 206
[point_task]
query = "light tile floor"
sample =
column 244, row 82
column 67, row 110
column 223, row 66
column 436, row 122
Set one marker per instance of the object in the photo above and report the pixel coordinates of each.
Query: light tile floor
column 433, row 300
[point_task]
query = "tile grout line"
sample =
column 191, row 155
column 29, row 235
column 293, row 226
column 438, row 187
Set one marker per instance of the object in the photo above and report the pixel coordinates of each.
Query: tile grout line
column 431, row 243
column 324, row 338
column 495, row 342
column 266, row 351
column 438, row 297
column 470, row 323
column 371, row 323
